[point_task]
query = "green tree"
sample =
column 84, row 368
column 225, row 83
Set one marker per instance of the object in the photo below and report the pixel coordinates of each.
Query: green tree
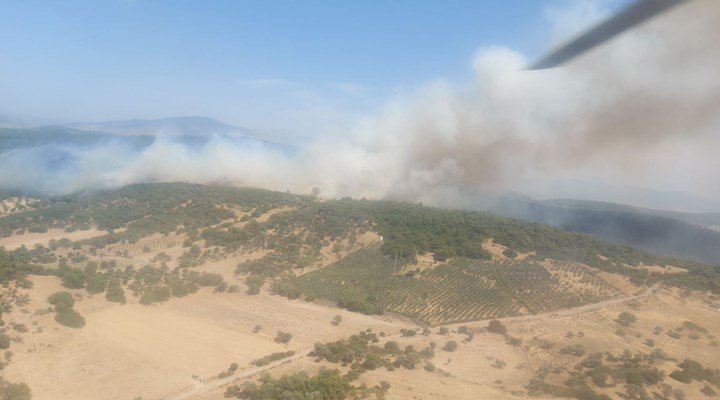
column 74, row 279
column 96, row 284
column 115, row 293
column 61, row 299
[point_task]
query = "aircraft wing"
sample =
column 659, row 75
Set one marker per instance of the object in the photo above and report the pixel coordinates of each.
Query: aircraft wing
column 633, row 15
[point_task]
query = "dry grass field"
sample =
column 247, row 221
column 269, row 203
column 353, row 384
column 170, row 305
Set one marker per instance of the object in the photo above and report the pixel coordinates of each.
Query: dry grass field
column 153, row 351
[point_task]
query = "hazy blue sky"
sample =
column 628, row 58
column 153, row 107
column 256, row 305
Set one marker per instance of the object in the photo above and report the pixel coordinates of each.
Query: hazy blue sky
column 262, row 64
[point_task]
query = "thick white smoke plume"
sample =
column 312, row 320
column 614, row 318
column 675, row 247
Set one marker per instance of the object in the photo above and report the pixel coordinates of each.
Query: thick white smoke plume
column 641, row 110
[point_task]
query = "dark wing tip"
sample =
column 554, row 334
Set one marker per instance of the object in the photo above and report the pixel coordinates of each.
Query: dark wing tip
column 633, row 15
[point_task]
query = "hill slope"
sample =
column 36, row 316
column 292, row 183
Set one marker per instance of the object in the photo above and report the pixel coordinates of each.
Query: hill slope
column 679, row 234
column 429, row 264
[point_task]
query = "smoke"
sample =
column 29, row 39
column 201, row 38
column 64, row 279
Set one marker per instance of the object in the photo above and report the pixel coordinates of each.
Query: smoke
column 641, row 110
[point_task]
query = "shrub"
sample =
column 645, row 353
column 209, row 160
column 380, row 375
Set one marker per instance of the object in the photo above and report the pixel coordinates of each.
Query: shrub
column 4, row 341
column 283, row 337
column 232, row 391
column 693, row 370
column 681, row 376
column 510, row 253
column 159, row 294
column 578, row 350
column 392, row 345
column 287, row 289
column 16, row 391
column 73, row 279
column 61, row 299
column 336, row 321
column 428, row 352
column 372, row 362
column 496, row 326
column 408, row 332
column 513, row 341
column 708, row 391
column 626, row 319
column 673, row 334
column 96, row 284
column 364, row 306
column 325, row 385
column 450, row 346
column 689, row 325
column 261, row 362
column 69, row 318
column 147, row 298
column 115, row 293
column 254, row 284
column 352, row 375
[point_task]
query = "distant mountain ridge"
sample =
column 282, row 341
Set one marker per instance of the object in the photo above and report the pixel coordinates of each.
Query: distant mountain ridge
column 706, row 219
column 649, row 198
column 194, row 126
column 10, row 121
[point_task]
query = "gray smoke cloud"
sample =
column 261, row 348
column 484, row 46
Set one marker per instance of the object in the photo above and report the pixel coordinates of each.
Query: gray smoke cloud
column 641, row 110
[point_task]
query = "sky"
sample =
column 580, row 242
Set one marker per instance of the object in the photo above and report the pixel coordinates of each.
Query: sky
column 297, row 66
column 415, row 100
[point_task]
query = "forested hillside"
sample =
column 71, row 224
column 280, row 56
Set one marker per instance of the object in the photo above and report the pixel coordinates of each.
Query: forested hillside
column 295, row 231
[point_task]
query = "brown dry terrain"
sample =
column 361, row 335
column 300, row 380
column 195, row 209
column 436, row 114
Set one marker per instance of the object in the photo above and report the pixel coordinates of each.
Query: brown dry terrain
column 12, row 205
column 473, row 370
column 153, row 351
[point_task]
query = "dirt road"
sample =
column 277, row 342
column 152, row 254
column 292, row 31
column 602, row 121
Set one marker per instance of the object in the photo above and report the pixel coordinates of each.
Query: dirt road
column 217, row 383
